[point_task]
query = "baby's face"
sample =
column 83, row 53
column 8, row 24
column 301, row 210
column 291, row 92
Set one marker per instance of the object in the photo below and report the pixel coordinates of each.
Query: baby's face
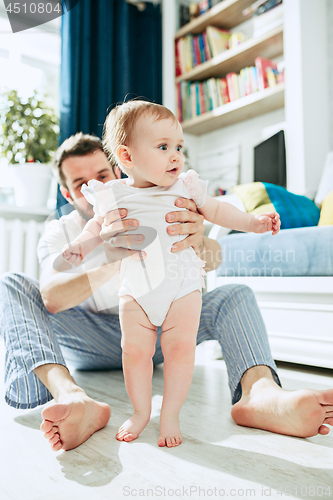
column 156, row 150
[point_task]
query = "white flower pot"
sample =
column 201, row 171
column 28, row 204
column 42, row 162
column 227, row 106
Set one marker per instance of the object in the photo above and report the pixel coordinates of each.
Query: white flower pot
column 31, row 183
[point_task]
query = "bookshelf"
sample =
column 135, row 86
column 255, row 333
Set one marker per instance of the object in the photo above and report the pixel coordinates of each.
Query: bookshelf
column 242, row 109
column 228, row 14
column 304, row 99
column 269, row 45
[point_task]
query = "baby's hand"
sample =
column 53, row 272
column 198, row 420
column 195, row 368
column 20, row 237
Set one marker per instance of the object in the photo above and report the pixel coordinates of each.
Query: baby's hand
column 266, row 222
column 72, row 253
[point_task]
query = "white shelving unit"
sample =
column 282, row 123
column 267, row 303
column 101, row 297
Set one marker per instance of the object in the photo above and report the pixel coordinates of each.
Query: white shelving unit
column 304, row 98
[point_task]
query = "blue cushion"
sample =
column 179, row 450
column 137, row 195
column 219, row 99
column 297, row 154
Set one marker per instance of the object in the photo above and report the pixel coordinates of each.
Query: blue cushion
column 294, row 210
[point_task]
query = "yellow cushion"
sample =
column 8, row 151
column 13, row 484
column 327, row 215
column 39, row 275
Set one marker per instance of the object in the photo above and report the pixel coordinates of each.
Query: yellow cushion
column 253, row 195
column 326, row 213
column 263, row 209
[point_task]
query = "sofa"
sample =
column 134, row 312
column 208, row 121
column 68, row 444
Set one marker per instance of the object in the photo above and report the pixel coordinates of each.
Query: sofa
column 291, row 275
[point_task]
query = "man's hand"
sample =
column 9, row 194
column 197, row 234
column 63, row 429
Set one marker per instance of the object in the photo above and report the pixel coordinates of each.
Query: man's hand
column 191, row 223
column 266, row 222
column 116, row 240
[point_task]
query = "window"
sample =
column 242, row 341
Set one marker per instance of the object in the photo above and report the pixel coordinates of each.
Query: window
column 30, row 59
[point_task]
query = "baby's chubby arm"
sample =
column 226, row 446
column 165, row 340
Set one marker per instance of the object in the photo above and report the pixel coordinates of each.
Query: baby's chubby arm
column 85, row 243
column 226, row 215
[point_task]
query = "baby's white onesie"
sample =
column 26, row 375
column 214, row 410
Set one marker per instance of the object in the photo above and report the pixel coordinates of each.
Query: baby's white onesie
column 162, row 276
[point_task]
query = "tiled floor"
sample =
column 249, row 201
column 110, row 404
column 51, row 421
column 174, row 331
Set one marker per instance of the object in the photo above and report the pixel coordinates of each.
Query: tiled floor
column 217, row 458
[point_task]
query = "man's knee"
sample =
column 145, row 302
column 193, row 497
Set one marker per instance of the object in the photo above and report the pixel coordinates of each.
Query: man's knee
column 232, row 294
column 14, row 284
column 16, row 280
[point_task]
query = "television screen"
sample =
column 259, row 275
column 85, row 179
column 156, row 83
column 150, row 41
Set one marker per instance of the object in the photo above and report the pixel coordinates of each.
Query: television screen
column 270, row 160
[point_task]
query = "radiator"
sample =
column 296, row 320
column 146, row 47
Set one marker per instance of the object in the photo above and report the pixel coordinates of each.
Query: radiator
column 18, row 246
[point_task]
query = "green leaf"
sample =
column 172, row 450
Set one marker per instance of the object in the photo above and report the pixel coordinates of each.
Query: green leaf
column 28, row 128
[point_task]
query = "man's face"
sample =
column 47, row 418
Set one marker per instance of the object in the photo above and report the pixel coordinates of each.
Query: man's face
column 79, row 170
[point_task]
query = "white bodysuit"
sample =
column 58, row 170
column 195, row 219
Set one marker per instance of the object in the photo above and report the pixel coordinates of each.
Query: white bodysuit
column 162, row 276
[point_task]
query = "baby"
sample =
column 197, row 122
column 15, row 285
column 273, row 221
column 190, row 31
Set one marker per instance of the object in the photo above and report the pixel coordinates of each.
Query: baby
column 164, row 288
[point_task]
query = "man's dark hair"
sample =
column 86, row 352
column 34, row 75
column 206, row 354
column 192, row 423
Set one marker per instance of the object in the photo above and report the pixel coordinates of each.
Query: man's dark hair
column 77, row 145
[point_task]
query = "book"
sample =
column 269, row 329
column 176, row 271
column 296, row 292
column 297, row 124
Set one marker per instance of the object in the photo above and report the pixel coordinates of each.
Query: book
column 229, row 78
column 271, row 78
column 208, row 104
column 202, row 48
column 202, row 98
column 247, row 81
column 206, row 45
column 197, row 98
column 225, row 93
column 218, row 40
column 182, row 54
column 189, row 52
column 262, row 65
column 220, row 101
column 177, row 59
column 254, row 79
column 241, row 83
column 193, row 100
column 197, row 55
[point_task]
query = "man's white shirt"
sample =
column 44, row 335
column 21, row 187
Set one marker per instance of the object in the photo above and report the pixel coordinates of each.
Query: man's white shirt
column 60, row 232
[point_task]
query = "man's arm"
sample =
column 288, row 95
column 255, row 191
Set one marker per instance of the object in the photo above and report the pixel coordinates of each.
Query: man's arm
column 211, row 254
column 63, row 290
column 63, row 287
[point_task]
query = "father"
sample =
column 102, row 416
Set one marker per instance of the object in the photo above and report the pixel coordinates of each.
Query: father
column 72, row 315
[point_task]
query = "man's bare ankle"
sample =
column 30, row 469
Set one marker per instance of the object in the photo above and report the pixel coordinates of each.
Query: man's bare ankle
column 58, row 381
column 255, row 374
column 72, row 394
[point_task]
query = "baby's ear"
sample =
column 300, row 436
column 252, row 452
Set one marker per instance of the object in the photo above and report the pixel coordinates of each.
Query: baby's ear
column 124, row 156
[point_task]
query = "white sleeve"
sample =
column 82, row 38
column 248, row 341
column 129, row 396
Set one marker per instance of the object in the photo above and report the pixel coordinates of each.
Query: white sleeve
column 196, row 187
column 100, row 196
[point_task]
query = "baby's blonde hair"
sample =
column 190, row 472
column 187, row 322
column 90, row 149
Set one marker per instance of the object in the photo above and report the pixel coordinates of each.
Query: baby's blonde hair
column 120, row 122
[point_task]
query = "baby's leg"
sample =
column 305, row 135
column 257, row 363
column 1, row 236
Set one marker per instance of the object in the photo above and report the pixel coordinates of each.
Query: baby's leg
column 178, row 341
column 138, row 344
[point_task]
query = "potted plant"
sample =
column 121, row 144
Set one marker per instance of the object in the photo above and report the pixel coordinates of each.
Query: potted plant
column 28, row 140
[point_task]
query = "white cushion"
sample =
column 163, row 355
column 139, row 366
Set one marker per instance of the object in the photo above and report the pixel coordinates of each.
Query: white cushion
column 326, row 181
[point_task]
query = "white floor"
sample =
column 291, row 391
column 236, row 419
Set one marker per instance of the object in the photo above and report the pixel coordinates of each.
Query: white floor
column 217, row 458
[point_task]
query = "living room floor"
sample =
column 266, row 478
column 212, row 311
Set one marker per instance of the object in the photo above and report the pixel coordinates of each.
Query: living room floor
column 217, row 457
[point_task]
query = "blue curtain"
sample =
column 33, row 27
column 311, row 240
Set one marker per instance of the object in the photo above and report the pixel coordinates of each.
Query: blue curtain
column 110, row 50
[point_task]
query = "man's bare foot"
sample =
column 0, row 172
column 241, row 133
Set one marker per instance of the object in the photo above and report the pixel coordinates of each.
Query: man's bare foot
column 299, row 413
column 132, row 428
column 170, row 434
column 70, row 423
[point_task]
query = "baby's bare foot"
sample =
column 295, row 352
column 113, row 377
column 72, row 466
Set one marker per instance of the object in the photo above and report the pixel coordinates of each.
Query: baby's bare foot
column 68, row 424
column 132, row 428
column 170, row 434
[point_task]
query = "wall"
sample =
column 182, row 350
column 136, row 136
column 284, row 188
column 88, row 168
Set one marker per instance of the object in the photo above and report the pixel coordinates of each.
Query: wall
column 330, row 63
column 248, row 134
